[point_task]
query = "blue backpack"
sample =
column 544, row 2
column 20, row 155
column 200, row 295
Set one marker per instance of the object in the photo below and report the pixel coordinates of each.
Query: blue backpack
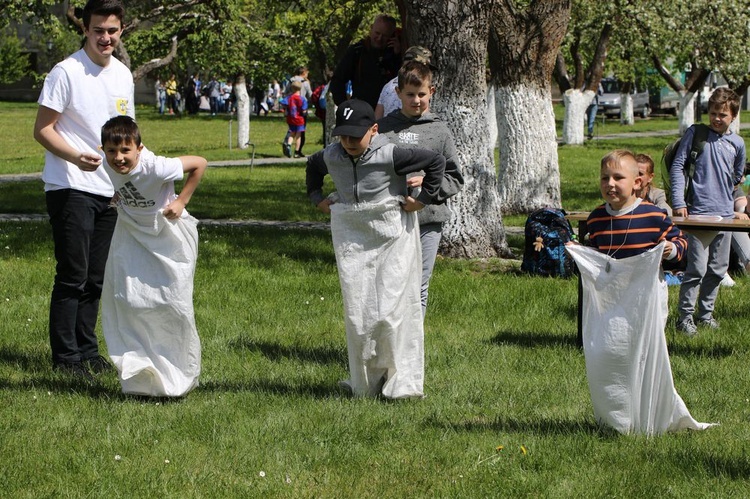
column 546, row 232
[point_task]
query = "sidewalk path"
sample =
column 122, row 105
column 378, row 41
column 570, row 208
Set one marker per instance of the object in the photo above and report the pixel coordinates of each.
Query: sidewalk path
column 282, row 161
column 275, row 161
column 25, row 177
column 16, row 217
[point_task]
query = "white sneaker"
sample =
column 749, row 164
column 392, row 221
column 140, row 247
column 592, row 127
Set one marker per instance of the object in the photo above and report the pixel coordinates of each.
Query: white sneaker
column 727, row 281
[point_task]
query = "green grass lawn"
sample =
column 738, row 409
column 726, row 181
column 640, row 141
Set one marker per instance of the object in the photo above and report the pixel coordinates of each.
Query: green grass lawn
column 507, row 411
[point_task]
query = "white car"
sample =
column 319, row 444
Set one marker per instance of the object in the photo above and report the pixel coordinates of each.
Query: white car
column 609, row 101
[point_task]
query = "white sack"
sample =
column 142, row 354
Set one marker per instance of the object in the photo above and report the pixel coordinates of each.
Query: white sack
column 379, row 259
column 147, row 305
column 627, row 363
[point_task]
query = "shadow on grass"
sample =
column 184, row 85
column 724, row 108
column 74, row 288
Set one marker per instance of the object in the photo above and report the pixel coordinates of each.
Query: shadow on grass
column 313, row 390
column 262, row 246
column 699, row 351
column 62, row 383
column 274, row 351
column 22, row 197
column 529, row 339
column 26, row 361
column 541, row 426
column 38, row 375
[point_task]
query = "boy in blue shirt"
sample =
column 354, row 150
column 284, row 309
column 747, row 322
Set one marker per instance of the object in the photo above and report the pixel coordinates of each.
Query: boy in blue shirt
column 718, row 169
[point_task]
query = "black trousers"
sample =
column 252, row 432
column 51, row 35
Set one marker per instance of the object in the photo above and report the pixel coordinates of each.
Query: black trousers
column 82, row 226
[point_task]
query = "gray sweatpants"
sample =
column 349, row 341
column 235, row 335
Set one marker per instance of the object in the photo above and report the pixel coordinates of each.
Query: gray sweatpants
column 706, row 266
column 429, row 235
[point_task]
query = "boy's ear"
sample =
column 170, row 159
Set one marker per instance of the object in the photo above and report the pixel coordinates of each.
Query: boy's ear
column 638, row 183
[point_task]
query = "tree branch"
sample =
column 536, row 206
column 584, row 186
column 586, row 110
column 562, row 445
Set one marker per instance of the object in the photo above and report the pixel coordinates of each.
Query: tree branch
column 156, row 63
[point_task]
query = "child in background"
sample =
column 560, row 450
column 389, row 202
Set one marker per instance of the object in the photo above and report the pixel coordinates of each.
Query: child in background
column 147, row 300
column 376, row 240
column 295, row 118
column 415, row 126
column 718, row 170
column 648, row 191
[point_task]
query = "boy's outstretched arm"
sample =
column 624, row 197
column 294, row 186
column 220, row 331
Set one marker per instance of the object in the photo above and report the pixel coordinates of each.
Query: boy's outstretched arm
column 194, row 166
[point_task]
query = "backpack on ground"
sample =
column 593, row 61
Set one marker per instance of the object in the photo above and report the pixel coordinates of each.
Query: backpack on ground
column 700, row 136
column 546, row 232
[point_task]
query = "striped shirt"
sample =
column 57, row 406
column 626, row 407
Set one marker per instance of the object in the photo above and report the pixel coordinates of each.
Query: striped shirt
column 642, row 227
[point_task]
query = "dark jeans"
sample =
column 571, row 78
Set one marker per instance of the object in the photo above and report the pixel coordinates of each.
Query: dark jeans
column 82, row 226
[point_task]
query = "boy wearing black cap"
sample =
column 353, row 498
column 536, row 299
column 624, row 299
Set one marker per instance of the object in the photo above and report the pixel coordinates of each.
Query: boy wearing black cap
column 378, row 254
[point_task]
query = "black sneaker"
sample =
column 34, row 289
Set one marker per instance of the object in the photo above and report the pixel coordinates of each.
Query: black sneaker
column 299, row 155
column 74, row 369
column 286, row 149
column 99, row 364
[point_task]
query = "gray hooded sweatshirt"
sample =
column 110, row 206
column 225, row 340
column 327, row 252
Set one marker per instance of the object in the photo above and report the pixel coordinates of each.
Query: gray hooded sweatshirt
column 376, row 175
column 427, row 132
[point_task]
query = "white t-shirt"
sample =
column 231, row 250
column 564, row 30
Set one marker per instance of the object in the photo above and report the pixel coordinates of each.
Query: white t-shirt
column 86, row 95
column 149, row 187
column 389, row 98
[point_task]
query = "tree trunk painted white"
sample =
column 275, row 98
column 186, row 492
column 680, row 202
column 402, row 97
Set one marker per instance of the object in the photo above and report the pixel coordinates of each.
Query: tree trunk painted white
column 735, row 125
column 457, row 32
column 626, row 110
column 576, row 102
column 491, row 111
column 528, row 176
column 330, row 122
column 686, row 113
column 243, row 112
column 475, row 228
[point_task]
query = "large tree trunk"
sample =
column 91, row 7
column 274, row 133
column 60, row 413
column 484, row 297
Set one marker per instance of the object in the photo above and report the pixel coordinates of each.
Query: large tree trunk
column 456, row 32
column 627, row 117
column 686, row 113
column 330, row 122
column 492, row 110
column 574, row 123
column 735, row 126
column 529, row 176
column 524, row 43
column 243, row 112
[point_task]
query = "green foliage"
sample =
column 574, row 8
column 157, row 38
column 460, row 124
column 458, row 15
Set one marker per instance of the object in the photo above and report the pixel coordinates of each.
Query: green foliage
column 702, row 33
column 14, row 62
column 308, row 33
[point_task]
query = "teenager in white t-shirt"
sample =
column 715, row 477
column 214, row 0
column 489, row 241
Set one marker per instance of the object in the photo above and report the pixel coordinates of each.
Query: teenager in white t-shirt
column 79, row 95
column 147, row 299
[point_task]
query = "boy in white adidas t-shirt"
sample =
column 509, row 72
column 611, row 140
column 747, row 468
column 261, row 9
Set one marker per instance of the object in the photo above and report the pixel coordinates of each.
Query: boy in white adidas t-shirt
column 147, row 299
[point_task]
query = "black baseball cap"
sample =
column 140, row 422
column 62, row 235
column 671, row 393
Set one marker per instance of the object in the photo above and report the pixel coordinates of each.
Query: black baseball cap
column 353, row 118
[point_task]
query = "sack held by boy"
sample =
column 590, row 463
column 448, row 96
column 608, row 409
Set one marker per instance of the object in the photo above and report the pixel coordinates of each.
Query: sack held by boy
column 378, row 254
